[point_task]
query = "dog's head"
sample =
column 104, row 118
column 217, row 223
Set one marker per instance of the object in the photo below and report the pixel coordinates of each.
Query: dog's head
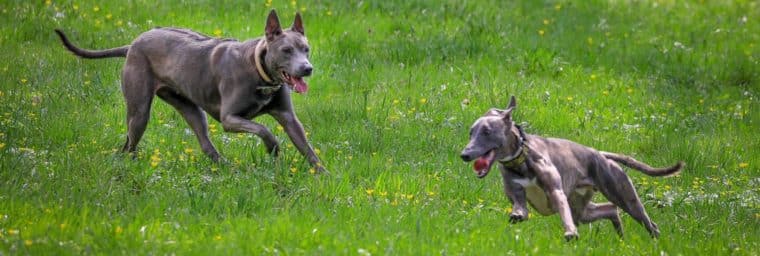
column 489, row 139
column 288, row 52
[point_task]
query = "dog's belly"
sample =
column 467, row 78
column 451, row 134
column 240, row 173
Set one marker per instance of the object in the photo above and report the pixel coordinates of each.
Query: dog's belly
column 536, row 196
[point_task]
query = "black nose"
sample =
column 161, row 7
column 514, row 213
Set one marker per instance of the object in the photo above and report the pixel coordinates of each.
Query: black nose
column 307, row 70
column 466, row 157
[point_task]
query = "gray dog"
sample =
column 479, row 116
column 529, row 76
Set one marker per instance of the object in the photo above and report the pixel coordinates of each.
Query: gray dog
column 557, row 175
column 232, row 81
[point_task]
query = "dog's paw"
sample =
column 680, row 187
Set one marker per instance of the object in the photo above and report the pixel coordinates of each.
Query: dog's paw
column 570, row 236
column 516, row 217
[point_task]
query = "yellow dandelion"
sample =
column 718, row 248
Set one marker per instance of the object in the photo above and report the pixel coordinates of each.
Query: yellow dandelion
column 431, row 193
column 303, row 9
column 87, row 82
column 75, row 7
column 312, row 170
column 119, row 23
column 317, row 151
column 701, row 101
column 541, row 32
column 217, row 237
column 546, row 22
column 188, row 150
column 630, row 90
column 369, row 109
column 48, row 2
column 569, row 98
column 293, row 170
column 217, row 32
column 383, row 193
column 395, row 102
column 28, row 242
column 423, row 101
column 63, row 225
column 109, row 16
column 96, row 9
column 369, row 191
column 409, row 197
column 593, row 76
column 329, row 13
column 590, row 40
column 118, row 230
column 268, row 3
column 605, row 93
column 13, row 232
column 743, row 165
column 23, row 80
column 293, row 3
column 557, row 7
column 2, row 145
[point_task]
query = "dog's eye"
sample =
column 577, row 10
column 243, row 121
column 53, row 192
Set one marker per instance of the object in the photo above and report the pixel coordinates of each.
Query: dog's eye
column 306, row 50
column 287, row 50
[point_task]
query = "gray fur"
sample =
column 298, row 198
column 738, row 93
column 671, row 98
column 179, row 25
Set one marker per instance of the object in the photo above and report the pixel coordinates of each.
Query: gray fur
column 557, row 175
column 195, row 74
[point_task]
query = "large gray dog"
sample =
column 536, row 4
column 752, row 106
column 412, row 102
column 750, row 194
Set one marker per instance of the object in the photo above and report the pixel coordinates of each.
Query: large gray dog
column 231, row 81
column 557, row 175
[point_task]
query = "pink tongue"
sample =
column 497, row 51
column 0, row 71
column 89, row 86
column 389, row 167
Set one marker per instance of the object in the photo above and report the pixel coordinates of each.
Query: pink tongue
column 299, row 84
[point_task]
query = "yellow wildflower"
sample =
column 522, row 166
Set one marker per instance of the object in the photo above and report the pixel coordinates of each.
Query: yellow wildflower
column 118, row 230
column 370, row 191
column 217, row 32
column 743, row 165
column 28, row 242
column 217, row 237
column 423, row 101
column 541, row 32
column 96, row 9
column 13, row 232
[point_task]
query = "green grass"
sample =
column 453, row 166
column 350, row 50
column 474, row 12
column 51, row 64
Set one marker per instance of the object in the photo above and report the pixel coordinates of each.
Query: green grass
column 396, row 86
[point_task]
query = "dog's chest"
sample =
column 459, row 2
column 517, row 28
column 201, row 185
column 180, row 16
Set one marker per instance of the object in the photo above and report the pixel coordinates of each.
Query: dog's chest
column 535, row 195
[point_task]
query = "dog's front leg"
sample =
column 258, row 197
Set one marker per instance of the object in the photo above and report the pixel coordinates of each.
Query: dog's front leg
column 516, row 195
column 551, row 182
column 232, row 123
column 295, row 131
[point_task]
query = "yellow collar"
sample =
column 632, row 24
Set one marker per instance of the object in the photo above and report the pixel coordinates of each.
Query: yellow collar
column 257, row 60
column 516, row 160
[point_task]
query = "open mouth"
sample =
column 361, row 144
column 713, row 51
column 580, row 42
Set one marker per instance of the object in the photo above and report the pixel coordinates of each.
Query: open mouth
column 482, row 165
column 296, row 83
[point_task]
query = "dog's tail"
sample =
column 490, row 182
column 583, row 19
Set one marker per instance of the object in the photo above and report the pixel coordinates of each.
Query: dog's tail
column 91, row 54
column 646, row 169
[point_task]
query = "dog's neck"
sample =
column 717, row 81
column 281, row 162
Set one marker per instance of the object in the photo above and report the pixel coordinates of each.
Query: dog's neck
column 257, row 59
column 518, row 148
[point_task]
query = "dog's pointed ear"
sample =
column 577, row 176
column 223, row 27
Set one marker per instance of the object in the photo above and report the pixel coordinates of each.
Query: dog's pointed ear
column 507, row 114
column 272, row 28
column 298, row 25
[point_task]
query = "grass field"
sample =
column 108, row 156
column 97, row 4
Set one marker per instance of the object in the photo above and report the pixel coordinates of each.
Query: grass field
column 396, row 86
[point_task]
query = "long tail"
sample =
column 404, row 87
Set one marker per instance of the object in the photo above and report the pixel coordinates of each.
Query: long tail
column 646, row 169
column 92, row 54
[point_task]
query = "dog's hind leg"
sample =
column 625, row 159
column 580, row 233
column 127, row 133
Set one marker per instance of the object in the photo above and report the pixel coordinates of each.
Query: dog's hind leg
column 609, row 211
column 194, row 117
column 621, row 192
column 138, row 86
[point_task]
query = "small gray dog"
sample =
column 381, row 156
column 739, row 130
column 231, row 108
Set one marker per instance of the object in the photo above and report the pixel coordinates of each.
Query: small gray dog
column 232, row 81
column 557, row 175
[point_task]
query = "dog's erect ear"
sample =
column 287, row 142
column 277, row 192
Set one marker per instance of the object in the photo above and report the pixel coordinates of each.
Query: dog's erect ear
column 273, row 28
column 298, row 25
column 507, row 114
